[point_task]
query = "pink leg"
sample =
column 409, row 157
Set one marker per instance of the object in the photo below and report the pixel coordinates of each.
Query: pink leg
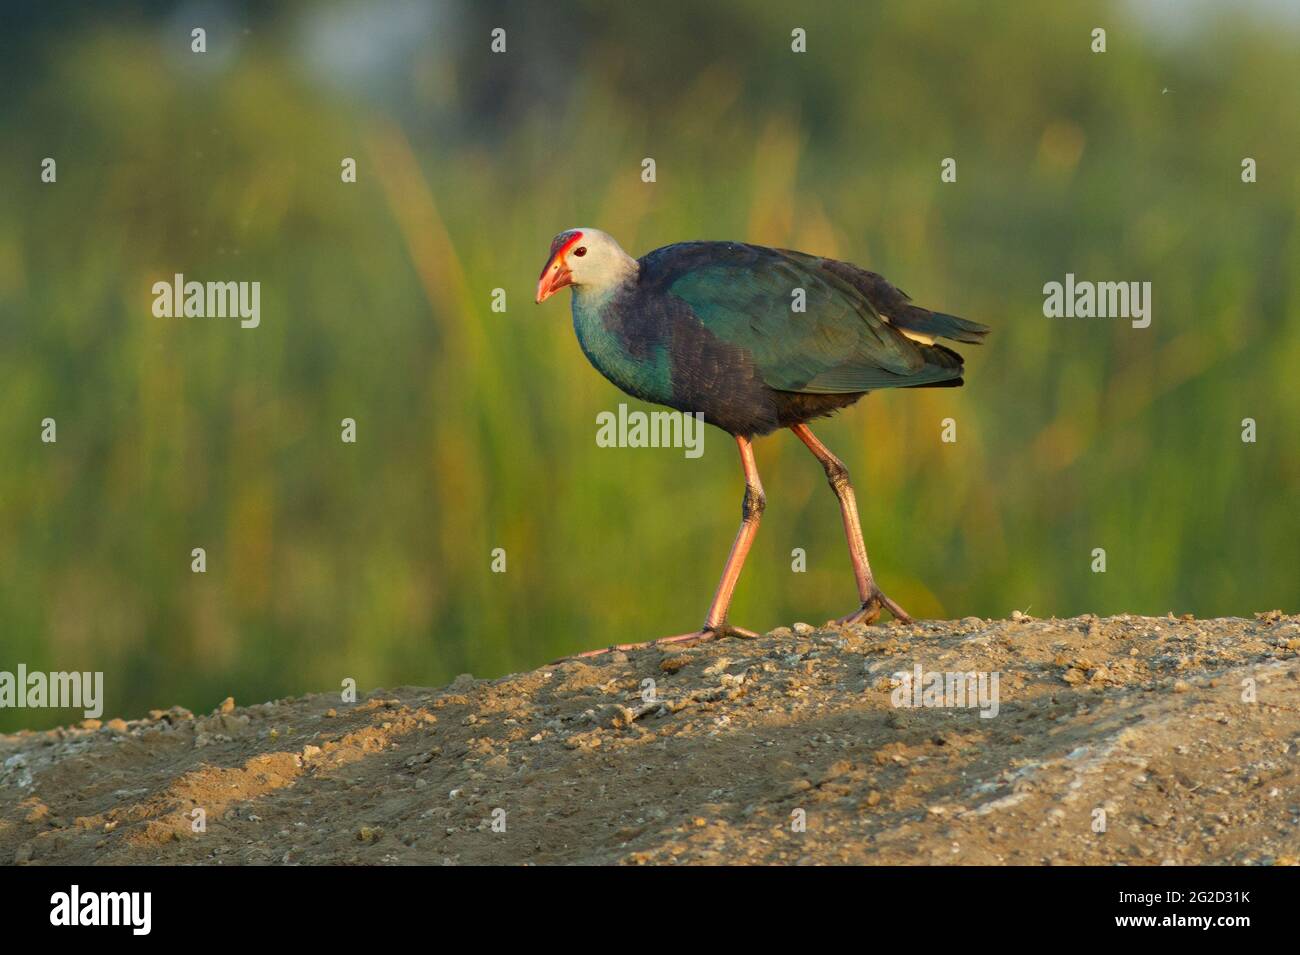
column 872, row 597
column 715, row 622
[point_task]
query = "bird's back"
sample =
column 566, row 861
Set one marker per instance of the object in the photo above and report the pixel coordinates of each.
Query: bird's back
column 759, row 338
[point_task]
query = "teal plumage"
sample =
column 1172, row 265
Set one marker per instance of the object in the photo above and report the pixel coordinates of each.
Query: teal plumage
column 716, row 327
column 753, row 339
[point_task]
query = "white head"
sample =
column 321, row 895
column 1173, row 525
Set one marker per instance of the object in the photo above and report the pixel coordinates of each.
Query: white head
column 587, row 259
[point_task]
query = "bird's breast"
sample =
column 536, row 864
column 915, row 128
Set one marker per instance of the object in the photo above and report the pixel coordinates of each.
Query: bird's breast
column 625, row 346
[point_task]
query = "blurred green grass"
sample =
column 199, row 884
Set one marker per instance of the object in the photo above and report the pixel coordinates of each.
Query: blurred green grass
column 477, row 429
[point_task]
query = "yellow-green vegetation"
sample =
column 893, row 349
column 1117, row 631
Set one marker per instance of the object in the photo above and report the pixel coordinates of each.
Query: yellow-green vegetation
column 476, row 429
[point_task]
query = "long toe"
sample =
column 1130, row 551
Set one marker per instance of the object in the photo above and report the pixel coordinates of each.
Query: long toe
column 867, row 614
column 871, row 609
column 901, row 615
column 695, row 636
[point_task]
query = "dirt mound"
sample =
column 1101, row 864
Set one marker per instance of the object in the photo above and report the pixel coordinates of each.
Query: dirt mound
column 1109, row 740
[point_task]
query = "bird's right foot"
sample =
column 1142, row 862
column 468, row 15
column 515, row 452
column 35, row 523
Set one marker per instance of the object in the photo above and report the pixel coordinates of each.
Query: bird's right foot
column 871, row 609
column 702, row 635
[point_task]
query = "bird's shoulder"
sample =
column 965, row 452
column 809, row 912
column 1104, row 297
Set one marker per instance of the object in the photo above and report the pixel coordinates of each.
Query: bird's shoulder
column 661, row 268
column 676, row 267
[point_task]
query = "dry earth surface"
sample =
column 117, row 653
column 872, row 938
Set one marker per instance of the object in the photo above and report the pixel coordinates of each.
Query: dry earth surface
column 1148, row 725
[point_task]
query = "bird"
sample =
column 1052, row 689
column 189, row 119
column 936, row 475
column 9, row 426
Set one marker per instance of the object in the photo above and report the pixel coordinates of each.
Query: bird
column 754, row 340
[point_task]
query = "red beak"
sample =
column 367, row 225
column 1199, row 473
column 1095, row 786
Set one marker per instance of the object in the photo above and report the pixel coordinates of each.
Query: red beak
column 554, row 277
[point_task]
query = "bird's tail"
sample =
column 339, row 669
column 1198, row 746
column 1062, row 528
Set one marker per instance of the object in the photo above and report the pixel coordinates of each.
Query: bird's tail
column 941, row 325
column 943, row 368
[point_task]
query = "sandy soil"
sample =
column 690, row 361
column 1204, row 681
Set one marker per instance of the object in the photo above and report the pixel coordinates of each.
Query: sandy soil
column 783, row 749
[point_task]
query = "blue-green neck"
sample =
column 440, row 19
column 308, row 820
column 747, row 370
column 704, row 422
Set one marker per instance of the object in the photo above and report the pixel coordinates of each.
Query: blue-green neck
column 599, row 327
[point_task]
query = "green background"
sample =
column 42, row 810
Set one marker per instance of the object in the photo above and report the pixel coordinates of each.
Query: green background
column 476, row 429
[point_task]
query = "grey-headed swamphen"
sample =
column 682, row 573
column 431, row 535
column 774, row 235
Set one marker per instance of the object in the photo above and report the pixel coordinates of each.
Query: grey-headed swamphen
column 716, row 328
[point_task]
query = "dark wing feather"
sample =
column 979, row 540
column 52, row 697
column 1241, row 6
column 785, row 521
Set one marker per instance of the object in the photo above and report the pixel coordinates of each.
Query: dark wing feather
column 840, row 344
column 896, row 306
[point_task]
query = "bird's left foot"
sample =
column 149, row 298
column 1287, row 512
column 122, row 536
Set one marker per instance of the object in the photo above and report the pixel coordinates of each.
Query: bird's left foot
column 697, row 636
column 871, row 609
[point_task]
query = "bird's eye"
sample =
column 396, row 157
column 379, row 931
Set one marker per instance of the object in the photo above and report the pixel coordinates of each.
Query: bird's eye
column 580, row 251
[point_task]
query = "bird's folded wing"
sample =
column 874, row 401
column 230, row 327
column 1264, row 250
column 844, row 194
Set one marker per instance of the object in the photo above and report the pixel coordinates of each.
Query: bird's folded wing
column 838, row 342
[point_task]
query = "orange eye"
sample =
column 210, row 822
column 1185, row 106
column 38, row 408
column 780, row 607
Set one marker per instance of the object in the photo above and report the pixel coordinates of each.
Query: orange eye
column 580, row 251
